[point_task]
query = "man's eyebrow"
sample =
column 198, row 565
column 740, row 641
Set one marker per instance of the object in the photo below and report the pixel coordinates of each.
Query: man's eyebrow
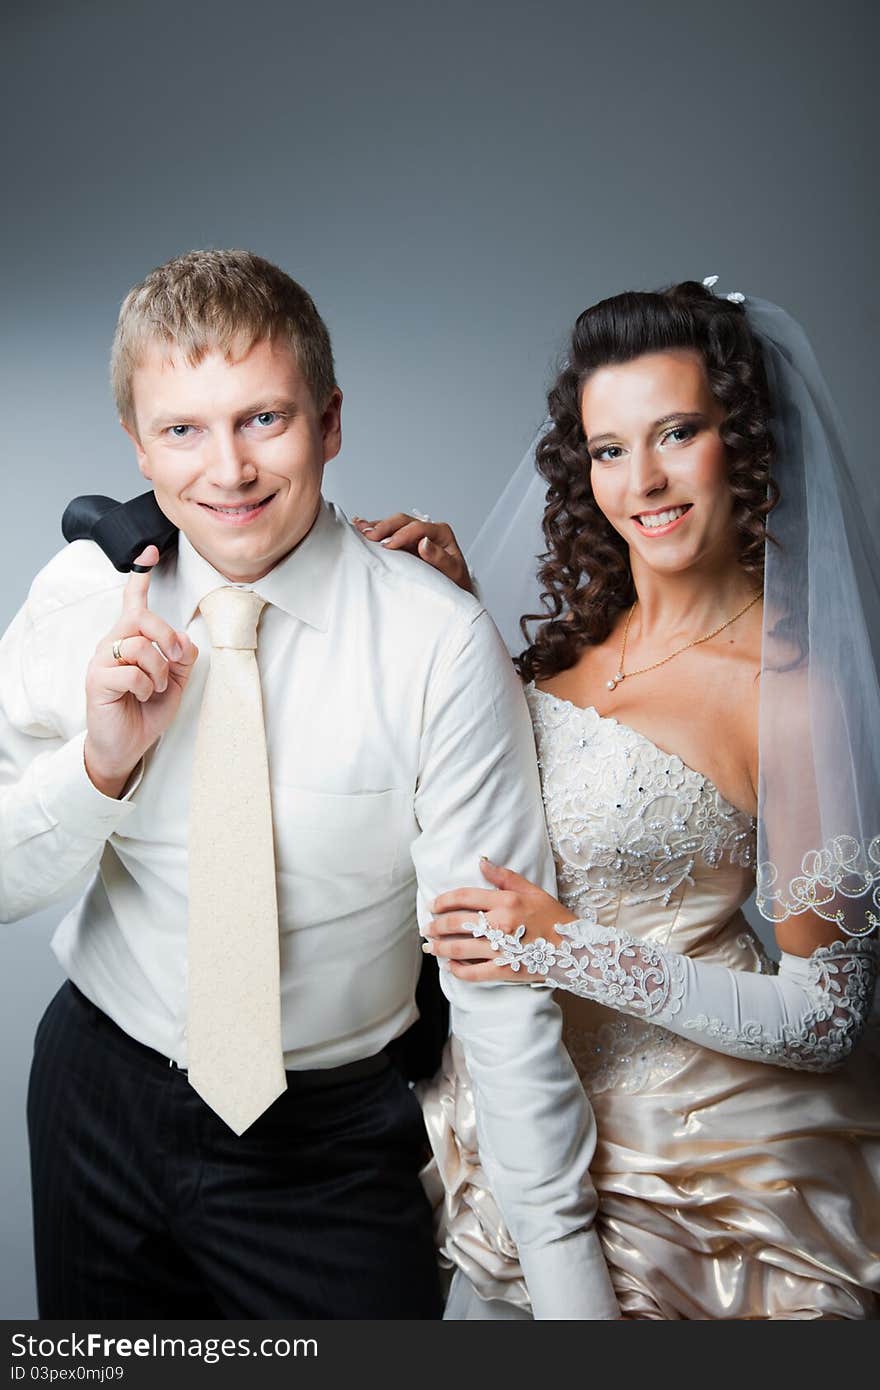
column 264, row 403
column 269, row 403
column 658, row 424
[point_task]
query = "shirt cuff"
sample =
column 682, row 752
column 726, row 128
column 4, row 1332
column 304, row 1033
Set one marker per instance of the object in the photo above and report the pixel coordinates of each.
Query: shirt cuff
column 70, row 798
column 569, row 1279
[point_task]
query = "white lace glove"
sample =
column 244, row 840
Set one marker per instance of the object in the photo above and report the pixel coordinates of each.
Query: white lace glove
column 808, row 1016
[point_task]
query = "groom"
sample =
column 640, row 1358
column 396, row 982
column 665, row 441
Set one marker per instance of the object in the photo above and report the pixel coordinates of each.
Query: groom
column 398, row 750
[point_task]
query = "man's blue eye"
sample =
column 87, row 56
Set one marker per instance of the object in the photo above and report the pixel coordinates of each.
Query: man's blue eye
column 267, row 417
column 175, row 428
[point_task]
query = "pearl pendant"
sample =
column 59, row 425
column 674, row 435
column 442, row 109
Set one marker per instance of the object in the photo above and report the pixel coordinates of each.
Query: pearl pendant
column 615, row 681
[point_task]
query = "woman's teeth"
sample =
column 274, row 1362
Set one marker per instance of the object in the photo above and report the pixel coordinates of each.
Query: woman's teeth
column 661, row 518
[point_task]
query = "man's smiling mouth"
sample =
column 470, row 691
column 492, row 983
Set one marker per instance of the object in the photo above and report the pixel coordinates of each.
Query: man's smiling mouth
column 239, row 509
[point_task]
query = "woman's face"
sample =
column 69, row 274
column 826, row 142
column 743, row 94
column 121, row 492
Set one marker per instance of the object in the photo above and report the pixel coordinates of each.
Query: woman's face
column 658, row 465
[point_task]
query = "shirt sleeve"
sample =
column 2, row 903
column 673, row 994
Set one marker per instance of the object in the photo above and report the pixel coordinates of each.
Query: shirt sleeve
column 479, row 793
column 54, row 822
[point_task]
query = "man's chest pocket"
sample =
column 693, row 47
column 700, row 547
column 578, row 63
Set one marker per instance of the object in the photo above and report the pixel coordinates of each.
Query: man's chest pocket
column 344, row 850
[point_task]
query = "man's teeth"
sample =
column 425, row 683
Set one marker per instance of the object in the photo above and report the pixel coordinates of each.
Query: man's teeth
column 236, row 511
column 662, row 518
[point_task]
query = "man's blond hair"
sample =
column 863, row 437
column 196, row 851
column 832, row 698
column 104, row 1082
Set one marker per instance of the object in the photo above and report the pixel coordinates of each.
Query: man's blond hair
column 205, row 301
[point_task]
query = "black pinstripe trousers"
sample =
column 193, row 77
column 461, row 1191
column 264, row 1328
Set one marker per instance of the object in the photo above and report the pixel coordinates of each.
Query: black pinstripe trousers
column 146, row 1205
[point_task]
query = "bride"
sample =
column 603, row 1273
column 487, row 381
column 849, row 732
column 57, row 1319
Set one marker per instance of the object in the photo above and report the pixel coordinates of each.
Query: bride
column 704, row 696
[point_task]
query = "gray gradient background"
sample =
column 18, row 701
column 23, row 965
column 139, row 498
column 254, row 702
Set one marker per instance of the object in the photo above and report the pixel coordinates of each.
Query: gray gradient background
column 453, row 184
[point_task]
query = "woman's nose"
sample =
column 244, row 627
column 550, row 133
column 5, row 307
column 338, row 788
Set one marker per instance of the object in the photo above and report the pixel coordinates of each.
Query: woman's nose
column 647, row 474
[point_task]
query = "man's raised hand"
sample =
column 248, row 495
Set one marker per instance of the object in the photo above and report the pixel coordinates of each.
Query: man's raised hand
column 129, row 706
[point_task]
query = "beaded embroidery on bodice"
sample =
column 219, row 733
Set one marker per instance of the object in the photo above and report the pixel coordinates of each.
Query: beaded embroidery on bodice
column 628, row 822
column 647, row 844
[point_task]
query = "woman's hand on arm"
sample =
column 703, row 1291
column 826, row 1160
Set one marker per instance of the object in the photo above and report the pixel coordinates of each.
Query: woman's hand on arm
column 512, row 904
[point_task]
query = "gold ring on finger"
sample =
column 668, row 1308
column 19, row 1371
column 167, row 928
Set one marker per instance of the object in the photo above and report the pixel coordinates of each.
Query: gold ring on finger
column 117, row 652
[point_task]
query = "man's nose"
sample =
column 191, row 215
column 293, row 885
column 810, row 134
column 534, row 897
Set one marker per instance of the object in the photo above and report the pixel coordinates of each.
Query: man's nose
column 228, row 464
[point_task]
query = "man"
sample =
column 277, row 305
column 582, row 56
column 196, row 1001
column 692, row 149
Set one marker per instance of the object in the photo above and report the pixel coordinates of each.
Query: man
column 216, row 1128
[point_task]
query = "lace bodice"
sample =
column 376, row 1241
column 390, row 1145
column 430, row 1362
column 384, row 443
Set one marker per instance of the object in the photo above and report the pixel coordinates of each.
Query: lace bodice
column 634, row 829
column 647, row 845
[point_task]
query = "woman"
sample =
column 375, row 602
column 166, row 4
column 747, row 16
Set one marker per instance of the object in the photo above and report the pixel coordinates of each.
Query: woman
column 738, row 1107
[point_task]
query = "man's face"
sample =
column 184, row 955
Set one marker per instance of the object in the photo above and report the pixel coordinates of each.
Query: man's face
column 224, row 434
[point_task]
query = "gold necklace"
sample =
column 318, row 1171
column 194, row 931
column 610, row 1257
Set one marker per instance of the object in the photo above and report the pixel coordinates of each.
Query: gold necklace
column 621, row 675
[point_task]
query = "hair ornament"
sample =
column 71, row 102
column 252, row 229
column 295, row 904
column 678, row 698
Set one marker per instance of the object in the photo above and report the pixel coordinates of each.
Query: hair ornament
column 710, row 281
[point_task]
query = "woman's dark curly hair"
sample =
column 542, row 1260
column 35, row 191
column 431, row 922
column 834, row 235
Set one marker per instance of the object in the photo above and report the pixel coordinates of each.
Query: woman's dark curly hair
column 585, row 572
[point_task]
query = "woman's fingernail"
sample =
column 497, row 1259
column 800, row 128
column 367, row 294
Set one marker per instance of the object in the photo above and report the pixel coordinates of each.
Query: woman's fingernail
column 428, row 948
column 176, row 651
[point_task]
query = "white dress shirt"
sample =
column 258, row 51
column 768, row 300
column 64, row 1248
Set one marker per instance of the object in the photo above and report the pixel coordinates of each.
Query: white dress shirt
column 400, row 750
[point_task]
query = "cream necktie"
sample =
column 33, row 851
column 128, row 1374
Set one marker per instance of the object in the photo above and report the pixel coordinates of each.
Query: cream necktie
column 234, row 1054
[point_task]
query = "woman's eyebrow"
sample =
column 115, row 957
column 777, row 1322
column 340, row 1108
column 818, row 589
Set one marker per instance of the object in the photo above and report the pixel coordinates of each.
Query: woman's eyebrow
column 658, row 424
column 677, row 415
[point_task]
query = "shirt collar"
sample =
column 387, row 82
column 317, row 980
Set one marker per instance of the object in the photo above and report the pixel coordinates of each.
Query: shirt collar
column 302, row 583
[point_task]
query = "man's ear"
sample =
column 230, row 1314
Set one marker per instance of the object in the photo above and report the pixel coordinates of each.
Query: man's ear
column 331, row 425
column 142, row 461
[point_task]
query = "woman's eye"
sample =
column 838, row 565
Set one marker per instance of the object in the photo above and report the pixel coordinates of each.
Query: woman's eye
column 680, row 433
column 609, row 454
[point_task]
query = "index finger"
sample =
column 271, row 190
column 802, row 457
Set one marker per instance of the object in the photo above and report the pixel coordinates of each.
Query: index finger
column 390, row 525
column 407, row 537
column 134, row 595
column 466, row 900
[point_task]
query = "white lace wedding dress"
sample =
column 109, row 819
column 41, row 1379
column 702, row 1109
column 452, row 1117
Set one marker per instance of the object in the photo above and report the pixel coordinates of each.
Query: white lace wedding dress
column 728, row 1188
